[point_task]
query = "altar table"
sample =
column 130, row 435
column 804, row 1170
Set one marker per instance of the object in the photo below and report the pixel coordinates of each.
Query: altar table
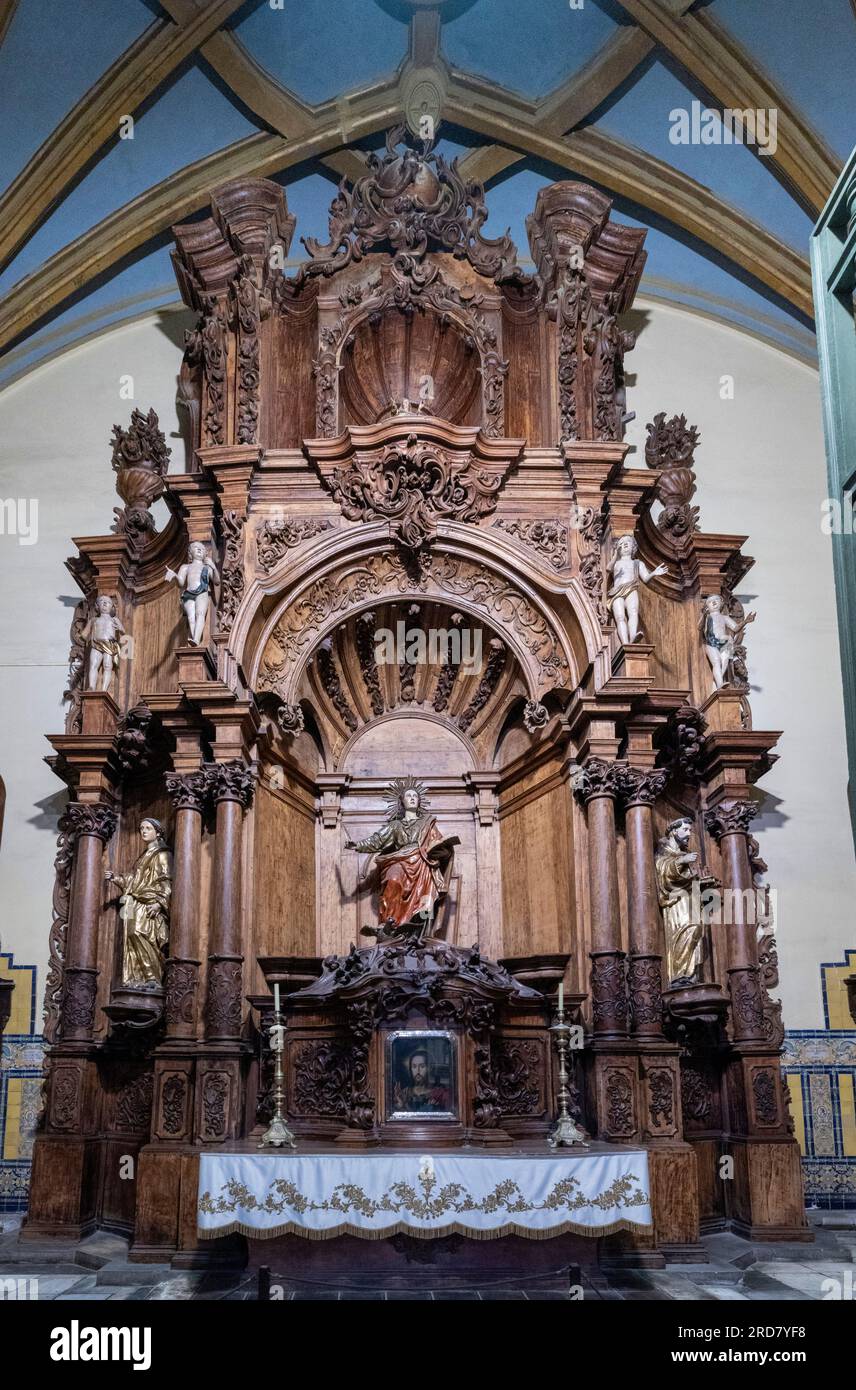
column 480, row 1195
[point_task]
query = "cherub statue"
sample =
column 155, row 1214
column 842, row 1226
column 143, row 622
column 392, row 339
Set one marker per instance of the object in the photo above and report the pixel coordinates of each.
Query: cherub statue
column 102, row 632
column 146, row 893
column 623, row 598
column 720, row 635
column 414, row 862
column 197, row 579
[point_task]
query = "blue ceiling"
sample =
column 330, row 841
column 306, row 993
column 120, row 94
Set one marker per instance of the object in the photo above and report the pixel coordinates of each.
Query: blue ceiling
column 56, row 49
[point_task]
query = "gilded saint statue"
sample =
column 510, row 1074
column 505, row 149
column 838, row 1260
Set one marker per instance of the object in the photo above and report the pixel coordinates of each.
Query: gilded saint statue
column 678, row 887
column 413, row 862
column 146, row 892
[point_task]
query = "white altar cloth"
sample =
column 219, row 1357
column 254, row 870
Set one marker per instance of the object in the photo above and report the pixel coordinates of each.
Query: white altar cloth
column 373, row 1195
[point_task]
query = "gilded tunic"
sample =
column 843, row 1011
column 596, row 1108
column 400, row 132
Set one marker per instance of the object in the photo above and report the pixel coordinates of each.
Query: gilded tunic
column 146, row 893
column 683, row 935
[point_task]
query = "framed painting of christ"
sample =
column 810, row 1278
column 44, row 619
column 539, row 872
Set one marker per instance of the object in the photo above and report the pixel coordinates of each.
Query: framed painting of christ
column 421, row 1075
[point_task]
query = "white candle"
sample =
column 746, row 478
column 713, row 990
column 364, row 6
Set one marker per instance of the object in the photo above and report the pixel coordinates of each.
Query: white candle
column 561, row 995
column 276, row 998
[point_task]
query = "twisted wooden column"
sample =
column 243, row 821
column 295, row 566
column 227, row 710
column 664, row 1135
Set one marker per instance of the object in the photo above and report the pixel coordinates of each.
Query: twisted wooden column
column 232, row 789
column 92, row 826
column 639, row 790
column 597, row 787
column 729, row 825
column 188, row 793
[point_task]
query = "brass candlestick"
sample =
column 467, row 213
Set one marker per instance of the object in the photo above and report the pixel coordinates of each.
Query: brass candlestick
column 277, row 1135
column 566, row 1133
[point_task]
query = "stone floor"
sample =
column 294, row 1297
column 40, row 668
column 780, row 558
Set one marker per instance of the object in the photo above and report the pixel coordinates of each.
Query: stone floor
column 99, row 1269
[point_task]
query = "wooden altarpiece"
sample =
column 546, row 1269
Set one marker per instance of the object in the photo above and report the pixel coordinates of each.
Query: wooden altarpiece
column 409, row 434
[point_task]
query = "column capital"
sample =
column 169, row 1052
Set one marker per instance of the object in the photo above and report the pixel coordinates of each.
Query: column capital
column 232, row 781
column 640, row 786
column 188, row 791
column 598, row 778
column 88, row 818
column 730, row 818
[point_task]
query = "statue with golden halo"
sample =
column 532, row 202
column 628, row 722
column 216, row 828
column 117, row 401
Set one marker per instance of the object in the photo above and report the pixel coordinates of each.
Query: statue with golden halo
column 413, row 862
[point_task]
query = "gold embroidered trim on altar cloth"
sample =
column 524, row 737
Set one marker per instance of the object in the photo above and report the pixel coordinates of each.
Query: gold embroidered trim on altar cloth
column 455, row 1228
column 452, row 1199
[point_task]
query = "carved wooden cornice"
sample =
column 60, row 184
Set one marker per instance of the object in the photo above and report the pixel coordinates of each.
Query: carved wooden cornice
column 571, row 221
column 248, row 218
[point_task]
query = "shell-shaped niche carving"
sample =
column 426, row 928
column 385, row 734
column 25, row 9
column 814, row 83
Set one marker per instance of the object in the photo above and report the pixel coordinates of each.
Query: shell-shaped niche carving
column 416, row 357
column 414, row 658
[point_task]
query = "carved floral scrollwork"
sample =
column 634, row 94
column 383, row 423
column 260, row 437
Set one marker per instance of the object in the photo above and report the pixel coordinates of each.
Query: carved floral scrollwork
column 641, row 786
column 414, row 200
column 173, row 1106
column 232, row 781
column 609, row 991
column 63, row 864
column 661, row 1097
column 645, row 989
column 248, row 313
column 592, row 528
column 140, row 461
column 516, row 1067
column 383, row 576
column 275, row 537
column 548, row 536
column 598, row 777
column 765, row 1096
column 232, row 525
column 620, row 1119
column 208, row 344
column 181, row 978
column 223, row 1005
column 215, row 1099
column 669, row 449
column 609, row 344
column 322, row 1075
column 78, row 1004
column 683, row 743
column 413, row 486
column 132, row 1108
column 730, row 818
column 188, row 791
column 497, row 657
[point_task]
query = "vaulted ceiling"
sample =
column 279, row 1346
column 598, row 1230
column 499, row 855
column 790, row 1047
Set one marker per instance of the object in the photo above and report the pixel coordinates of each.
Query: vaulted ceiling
column 299, row 90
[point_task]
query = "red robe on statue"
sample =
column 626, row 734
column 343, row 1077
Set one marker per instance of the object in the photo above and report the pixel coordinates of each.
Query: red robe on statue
column 410, row 881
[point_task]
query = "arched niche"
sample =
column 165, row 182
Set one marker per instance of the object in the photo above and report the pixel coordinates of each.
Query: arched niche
column 426, row 747
column 419, row 357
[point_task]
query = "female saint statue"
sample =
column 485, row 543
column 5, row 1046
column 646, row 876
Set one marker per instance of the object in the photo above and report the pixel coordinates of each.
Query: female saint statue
column 146, row 892
column 414, row 861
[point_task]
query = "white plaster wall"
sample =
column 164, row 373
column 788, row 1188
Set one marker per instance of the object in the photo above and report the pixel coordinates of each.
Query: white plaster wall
column 55, row 428
column 761, row 472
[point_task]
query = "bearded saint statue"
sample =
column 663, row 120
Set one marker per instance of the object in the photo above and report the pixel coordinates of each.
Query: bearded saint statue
column 414, row 862
column 676, row 871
